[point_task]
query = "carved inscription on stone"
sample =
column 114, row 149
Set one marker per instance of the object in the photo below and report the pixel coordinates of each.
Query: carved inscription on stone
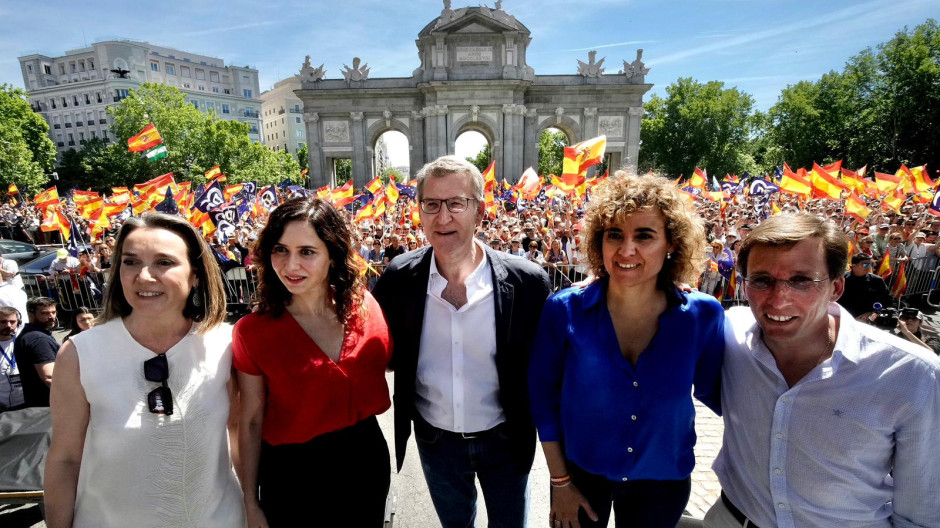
column 610, row 126
column 475, row 54
column 336, row 131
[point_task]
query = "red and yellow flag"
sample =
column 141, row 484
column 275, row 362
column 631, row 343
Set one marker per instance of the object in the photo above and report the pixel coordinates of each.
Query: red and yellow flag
column 374, row 185
column 900, row 282
column 825, row 185
column 580, row 156
column 529, row 184
column 50, row 195
column 489, row 175
column 884, row 268
column 856, row 207
column 391, row 194
column 699, row 179
column 12, row 189
column 145, row 140
column 342, row 196
column 364, row 213
column 54, row 219
column 215, row 173
column 793, row 183
column 886, row 182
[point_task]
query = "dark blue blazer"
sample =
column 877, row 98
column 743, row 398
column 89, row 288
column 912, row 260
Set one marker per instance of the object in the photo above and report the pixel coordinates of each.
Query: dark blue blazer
column 520, row 290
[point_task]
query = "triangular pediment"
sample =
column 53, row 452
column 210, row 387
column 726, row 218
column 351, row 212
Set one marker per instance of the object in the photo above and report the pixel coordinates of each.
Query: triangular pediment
column 475, row 20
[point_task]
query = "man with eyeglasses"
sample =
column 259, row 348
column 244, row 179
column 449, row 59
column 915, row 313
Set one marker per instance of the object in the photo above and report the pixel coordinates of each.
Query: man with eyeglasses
column 463, row 317
column 863, row 288
column 828, row 421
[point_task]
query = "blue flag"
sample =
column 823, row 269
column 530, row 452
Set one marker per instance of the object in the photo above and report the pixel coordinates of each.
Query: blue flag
column 75, row 238
column 168, row 205
column 211, row 198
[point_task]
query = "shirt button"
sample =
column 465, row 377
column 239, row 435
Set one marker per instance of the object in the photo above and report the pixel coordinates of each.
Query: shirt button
column 777, row 471
column 778, row 436
column 633, row 417
column 786, row 399
column 782, row 506
column 629, row 450
column 624, row 479
column 635, row 384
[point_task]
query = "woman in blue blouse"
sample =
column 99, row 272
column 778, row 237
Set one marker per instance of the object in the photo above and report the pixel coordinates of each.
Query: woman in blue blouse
column 613, row 364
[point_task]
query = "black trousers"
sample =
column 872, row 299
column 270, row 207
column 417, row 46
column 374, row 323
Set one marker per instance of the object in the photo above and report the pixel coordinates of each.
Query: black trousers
column 336, row 479
column 636, row 503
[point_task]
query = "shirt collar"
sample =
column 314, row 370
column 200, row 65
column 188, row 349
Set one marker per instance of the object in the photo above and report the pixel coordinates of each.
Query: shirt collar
column 595, row 292
column 848, row 340
column 480, row 279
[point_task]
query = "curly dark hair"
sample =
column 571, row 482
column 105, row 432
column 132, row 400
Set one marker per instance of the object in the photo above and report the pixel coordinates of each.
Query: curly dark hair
column 346, row 283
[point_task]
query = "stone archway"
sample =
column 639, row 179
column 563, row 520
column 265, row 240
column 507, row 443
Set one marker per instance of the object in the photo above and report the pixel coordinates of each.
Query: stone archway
column 472, row 76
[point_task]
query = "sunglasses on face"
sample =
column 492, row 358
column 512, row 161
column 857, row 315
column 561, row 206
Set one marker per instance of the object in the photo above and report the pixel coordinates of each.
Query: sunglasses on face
column 159, row 400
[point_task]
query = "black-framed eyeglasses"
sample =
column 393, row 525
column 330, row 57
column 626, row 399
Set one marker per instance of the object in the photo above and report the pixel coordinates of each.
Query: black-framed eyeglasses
column 159, row 400
column 799, row 283
column 867, row 264
column 457, row 204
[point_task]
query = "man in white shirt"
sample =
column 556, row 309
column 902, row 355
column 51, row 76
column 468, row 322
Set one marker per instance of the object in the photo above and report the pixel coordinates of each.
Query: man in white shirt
column 11, row 387
column 462, row 377
column 828, row 422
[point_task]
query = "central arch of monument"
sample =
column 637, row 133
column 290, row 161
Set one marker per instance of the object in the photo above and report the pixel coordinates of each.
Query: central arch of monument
column 473, row 76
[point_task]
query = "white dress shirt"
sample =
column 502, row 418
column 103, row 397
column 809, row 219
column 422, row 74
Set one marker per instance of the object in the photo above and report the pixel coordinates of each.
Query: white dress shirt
column 852, row 444
column 457, row 387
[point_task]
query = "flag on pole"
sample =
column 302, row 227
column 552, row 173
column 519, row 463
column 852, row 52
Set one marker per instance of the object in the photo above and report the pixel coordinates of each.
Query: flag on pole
column 156, row 153
column 147, row 139
column 12, row 189
column 884, row 268
column 900, row 282
column 168, row 205
column 215, row 173
column 580, row 156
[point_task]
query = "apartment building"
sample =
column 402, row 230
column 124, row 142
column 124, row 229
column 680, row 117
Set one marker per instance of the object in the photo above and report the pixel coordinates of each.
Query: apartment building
column 73, row 91
column 282, row 117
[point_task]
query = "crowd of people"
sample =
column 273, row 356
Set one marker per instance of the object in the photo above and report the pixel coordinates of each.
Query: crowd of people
column 588, row 326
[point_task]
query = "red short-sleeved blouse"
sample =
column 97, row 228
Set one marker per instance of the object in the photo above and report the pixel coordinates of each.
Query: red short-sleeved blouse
column 308, row 394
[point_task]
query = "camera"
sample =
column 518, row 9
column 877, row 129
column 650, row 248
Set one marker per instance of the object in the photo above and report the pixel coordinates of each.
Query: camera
column 884, row 318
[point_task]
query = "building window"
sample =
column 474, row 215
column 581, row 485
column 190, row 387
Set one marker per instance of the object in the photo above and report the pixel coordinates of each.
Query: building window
column 75, row 99
column 155, row 66
column 224, row 108
column 215, row 89
column 297, row 120
column 170, row 69
column 210, row 105
column 61, row 69
column 187, row 85
column 202, row 88
column 47, row 69
column 300, row 146
column 91, row 64
column 214, row 76
column 65, row 103
column 195, row 103
column 246, row 94
column 29, row 68
column 282, row 120
column 98, row 95
column 226, row 91
column 74, row 67
column 300, row 133
column 200, row 74
column 52, row 103
column 81, row 65
column 94, row 134
column 87, row 99
column 184, row 71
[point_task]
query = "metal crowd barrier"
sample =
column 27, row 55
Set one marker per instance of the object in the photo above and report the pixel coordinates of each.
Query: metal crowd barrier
column 69, row 289
column 921, row 277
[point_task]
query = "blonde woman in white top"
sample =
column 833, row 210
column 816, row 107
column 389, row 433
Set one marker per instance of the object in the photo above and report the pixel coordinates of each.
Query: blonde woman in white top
column 140, row 402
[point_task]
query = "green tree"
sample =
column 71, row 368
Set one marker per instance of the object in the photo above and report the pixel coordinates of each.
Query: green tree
column 551, row 151
column 343, row 168
column 482, row 159
column 303, row 157
column 387, row 175
column 27, row 154
column 705, row 125
column 195, row 141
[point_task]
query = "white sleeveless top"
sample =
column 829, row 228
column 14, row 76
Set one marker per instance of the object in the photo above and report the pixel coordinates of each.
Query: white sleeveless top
column 148, row 470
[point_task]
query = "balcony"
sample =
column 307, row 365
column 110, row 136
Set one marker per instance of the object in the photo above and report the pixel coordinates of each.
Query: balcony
column 250, row 113
column 56, row 126
column 68, row 125
column 295, row 111
column 102, row 122
column 253, row 130
column 71, row 143
column 281, row 111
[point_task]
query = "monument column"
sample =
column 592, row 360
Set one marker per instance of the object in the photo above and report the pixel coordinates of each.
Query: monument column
column 318, row 175
column 530, row 156
column 509, row 143
column 441, row 138
column 360, row 162
column 416, row 143
column 633, row 138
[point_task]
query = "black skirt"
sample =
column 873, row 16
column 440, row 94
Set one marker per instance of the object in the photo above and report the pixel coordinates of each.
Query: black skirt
column 335, row 479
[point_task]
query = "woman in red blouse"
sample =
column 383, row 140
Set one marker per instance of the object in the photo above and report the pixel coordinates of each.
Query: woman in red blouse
column 311, row 369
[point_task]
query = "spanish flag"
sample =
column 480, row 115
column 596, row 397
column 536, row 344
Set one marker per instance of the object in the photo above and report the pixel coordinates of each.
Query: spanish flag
column 54, row 219
column 146, row 140
column 900, row 282
column 793, row 183
column 884, row 268
column 856, row 207
column 215, row 173
column 391, row 194
column 232, row 190
column 568, row 183
column 580, row 156
column 825, row 185
column 886, row 182
column 529, row 184
column 342, row 196
column 490, row 173
column 415, row 215
column 374, row 185
column 49, row 196
column 12, row 189
column 83, row 196
column 699, row 179
column 921, row 181
column 364, row 213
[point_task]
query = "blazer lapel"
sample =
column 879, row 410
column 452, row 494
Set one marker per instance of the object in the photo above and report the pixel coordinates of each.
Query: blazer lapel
column 503, row 296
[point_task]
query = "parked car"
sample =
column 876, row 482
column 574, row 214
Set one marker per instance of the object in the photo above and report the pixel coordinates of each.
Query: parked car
column 20, row 252
column 34, row 274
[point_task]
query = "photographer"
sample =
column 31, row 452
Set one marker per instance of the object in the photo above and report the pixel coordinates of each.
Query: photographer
column 863, row 288
column 910, row 322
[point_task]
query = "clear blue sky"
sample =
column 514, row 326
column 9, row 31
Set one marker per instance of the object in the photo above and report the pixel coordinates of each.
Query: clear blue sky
column 760, row 46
